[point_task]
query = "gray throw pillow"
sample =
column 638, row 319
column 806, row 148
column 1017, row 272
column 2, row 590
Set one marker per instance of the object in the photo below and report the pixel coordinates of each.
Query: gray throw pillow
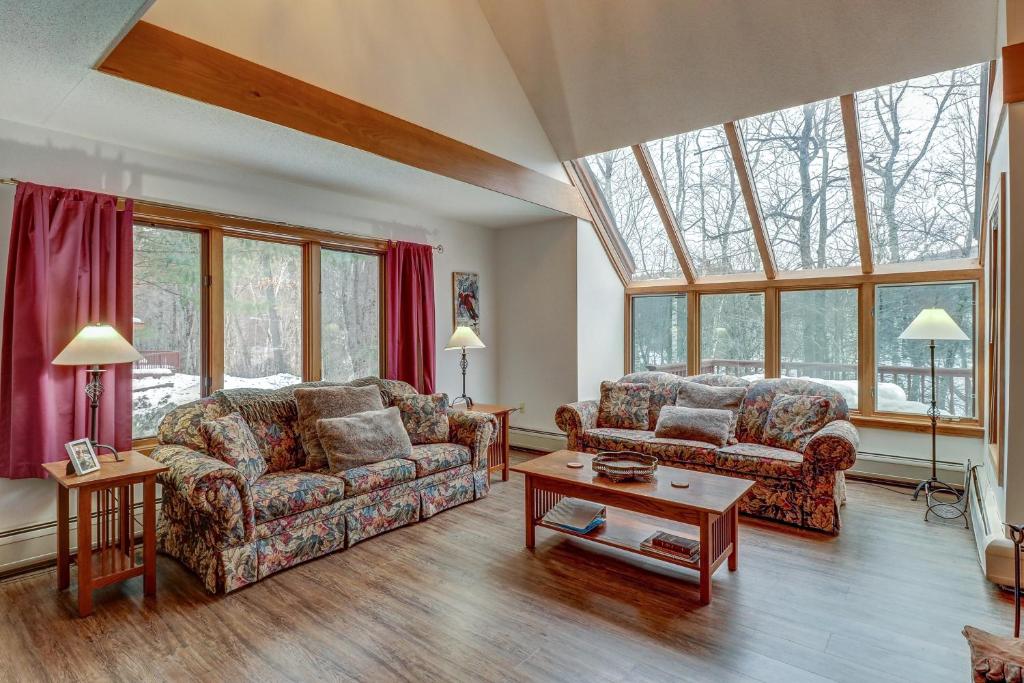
column 694, row 395
column 319, row 403
column 709, row 425
column 363, row 438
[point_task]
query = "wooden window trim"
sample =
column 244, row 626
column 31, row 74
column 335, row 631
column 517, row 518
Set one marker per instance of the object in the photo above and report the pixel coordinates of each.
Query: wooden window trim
column 746, row 181
column 668, row 219
column 851, row 130
column 612, row 242
column 214, row 227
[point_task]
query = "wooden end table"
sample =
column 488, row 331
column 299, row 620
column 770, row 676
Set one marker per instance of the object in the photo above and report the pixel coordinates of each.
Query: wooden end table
column 111, row 550
column 497, row 454
column 706, row 511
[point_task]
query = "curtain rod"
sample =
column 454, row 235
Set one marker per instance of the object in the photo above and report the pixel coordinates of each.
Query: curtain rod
column 439, row 248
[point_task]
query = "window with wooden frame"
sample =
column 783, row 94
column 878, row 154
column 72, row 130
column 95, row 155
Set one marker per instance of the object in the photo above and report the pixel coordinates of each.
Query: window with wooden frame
column 224, row 302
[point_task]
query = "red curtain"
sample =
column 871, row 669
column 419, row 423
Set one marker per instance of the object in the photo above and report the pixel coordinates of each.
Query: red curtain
column 410, row 314
column 69, row 264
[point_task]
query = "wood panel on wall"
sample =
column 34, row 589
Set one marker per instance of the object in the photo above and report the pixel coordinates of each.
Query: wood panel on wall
column 156, row 57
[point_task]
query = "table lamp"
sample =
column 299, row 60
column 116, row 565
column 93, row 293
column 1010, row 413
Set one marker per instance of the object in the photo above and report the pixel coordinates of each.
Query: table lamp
column 464, row 338
column 95, row 345
column 932, row 324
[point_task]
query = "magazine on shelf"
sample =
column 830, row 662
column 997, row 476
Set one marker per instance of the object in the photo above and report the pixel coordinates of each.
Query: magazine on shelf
column 579, row 516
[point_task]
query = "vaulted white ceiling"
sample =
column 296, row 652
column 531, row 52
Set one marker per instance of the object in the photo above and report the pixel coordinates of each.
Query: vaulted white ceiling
column 603, row 74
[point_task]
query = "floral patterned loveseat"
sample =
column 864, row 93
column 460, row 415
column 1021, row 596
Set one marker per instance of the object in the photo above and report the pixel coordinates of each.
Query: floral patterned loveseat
column 232, row 533
column 806, row 488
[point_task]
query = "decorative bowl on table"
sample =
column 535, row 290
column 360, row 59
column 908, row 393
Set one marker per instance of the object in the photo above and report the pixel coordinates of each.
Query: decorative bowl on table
column 625, row 465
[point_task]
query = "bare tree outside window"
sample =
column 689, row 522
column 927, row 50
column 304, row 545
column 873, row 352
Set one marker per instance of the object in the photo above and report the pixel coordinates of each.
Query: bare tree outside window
column 922, row 168
column 819, row 338
column 732, row 334
column 349, row 314
column 798, row 161
column 624, row 191
column 659, row 331
column 262, row 313
column 703, row 192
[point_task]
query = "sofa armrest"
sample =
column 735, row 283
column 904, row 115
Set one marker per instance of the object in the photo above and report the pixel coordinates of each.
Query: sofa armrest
column 214, row 494
column 575, row 419
column 833, row 447
column 473, row 429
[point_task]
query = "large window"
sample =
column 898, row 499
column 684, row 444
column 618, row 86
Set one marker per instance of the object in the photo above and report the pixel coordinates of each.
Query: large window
column 630, row 206
column 167, row 309
column 798, row 160
column 732, row 334
column 659, row 332
column 349, row 315
column 703, row 193
column 818, row 338
column 922, row 169
column 903, row 366
column 262, row 313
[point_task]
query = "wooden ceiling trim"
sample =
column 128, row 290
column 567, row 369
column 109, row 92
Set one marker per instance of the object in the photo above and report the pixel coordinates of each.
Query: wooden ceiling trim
column 739, row 160
column 601, row 227
column 851, row 129
column 668, row 219
column 1013, row 73
column 584, row 180
column 156, row 57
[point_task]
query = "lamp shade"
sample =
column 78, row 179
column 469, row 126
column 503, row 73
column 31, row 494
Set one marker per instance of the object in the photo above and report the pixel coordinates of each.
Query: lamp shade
column 464, row 338
column 97, row 344
column 934, row 323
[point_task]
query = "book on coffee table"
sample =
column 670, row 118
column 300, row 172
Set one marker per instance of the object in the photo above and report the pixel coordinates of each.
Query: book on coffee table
column 671, row 545
column 573, row 514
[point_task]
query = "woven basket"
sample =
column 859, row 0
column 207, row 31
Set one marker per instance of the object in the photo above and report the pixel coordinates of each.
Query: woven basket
column 625, row 465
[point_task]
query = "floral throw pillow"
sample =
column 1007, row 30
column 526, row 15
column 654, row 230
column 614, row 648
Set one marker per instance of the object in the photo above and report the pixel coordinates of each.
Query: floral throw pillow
column 624, row 406
column 793, row 419
column 229, row 439
column 425, row 417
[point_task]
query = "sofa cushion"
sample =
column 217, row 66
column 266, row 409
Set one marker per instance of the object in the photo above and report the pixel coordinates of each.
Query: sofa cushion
column 325, row 402
column 754, row 413
column 436, row 457
column 377, row 475
column 662, row 394
column 229, row 439
column 680, row 451
column 274, row 421
column 363, row 438
column 698, row 395
column 760, row 460
column 612, row 439
column 699, row 424
column 425, row 417
column 650, row 377
column 282, row 494
column 624, row 406
column 793, row 420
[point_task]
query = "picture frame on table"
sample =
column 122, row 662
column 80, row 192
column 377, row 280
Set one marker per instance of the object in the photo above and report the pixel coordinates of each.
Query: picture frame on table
column 83, row 456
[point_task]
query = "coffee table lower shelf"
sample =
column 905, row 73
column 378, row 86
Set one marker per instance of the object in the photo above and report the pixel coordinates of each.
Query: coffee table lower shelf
column 627, row 530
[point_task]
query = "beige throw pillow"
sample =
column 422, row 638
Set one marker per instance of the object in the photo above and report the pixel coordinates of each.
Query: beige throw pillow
column 319, row 403
column 709, row 425
column 694, row 395
column 363, row 438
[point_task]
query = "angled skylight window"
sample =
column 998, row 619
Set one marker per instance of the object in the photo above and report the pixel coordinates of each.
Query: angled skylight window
column 702, row 190
column 921, row 165
column 618, row 179
column 798, row 161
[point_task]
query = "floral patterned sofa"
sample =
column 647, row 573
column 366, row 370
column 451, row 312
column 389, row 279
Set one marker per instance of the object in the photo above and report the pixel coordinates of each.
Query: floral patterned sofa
column 806, row 489
column 231, row 533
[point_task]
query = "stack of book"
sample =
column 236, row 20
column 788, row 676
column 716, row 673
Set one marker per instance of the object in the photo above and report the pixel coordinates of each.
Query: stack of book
column 670, row 545
column 578, row 516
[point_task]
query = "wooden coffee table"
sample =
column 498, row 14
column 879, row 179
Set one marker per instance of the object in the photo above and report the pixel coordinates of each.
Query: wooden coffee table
column 705, row 511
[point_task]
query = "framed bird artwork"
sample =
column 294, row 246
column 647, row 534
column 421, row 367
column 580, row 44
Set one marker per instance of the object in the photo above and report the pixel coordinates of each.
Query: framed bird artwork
column 466, row 300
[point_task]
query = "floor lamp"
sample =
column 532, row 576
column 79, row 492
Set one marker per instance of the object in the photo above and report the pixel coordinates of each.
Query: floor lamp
column 95, row 345
column 930, row 325
column 464, row 338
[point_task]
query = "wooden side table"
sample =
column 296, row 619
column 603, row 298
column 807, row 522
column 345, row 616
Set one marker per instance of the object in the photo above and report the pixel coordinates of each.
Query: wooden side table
column 497, row 454
column 111, row 550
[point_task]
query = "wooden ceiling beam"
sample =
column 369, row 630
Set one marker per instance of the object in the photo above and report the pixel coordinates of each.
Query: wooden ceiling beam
column 602, row 222
column 851, row 129
column 746, row 180
column 668, row 219
column 159, row 58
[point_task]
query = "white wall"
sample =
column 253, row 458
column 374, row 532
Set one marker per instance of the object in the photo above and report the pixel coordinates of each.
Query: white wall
column 600, row 307
column 38, row 155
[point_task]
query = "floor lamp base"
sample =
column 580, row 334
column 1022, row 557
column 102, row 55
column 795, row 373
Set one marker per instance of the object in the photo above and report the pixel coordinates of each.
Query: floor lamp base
column 464, row 399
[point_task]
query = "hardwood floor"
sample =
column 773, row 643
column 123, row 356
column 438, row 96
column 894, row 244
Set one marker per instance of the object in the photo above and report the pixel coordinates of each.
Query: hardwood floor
column 458, row 598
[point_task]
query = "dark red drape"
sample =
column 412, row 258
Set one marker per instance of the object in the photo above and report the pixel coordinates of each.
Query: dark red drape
column 69, row 264
column 410, row 314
